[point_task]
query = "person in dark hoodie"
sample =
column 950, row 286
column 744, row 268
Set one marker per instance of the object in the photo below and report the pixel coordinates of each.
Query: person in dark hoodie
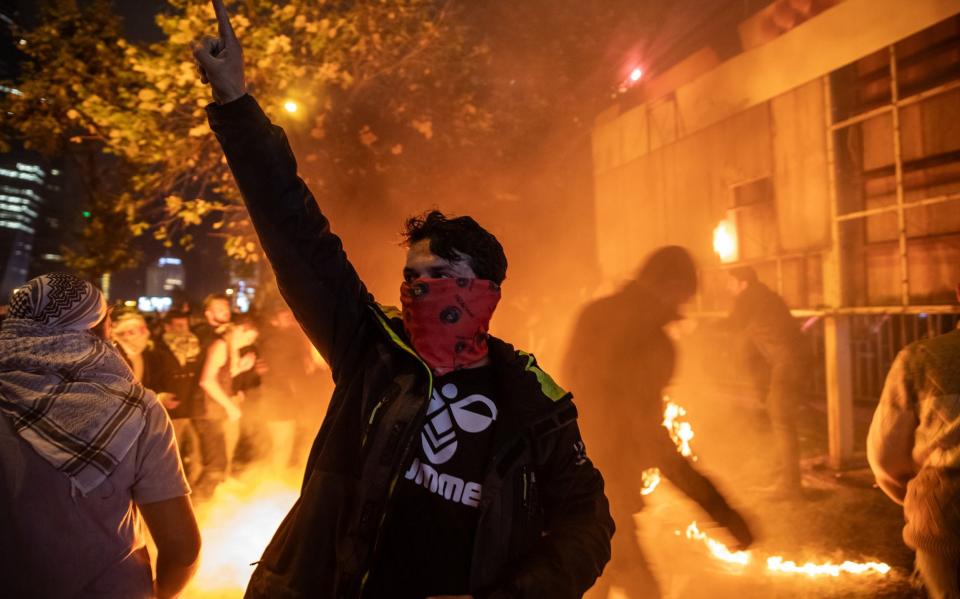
column 448, row 463
column 620, row 360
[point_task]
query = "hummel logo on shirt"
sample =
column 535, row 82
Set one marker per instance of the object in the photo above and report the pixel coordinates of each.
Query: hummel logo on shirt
column 452, row 423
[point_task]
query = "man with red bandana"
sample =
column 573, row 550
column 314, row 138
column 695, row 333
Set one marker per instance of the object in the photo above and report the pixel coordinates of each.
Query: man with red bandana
column 448, row 464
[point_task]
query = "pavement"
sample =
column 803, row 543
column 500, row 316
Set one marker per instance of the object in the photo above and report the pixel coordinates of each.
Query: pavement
column 841, row 516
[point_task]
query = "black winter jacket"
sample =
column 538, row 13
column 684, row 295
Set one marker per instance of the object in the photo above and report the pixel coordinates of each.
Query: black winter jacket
column 764, row 319
column 544, row 527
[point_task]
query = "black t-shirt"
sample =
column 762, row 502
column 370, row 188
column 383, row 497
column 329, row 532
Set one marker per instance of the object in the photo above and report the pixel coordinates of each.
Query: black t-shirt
column 426, row 546
column 164, row 373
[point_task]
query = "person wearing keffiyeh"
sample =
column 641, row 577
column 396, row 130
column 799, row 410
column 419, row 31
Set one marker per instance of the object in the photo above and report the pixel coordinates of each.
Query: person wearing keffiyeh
column 84, row 450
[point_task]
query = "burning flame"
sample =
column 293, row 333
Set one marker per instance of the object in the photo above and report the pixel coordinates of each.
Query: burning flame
column 680, row 430
column 650, row 480
column 725, row 241
column 777, row 564
column 717, row 549
column 236, row 526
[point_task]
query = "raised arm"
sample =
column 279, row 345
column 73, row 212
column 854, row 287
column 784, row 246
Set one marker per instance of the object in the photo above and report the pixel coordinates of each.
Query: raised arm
column 160, row 492
column 702, row 490
column 314, row 275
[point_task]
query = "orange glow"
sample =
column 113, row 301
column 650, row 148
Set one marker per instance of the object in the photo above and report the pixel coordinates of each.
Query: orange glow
column 650, row 480
column 680, row 430
column 725, row 243
column 717, row 549
column 236, row 526
column 777, row 564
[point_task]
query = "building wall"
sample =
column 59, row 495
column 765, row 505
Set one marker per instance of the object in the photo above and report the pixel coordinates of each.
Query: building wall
column 678, row 192
column 749, row 139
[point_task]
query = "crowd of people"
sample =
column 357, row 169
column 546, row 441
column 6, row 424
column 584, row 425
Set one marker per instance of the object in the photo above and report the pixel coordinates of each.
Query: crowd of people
column 234, row 385
column 448, row 463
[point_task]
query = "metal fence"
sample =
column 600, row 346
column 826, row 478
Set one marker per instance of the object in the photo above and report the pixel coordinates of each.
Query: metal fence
column 875, row 341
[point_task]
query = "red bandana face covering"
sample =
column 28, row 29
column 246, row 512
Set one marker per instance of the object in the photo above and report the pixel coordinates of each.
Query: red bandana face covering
column 447, row 320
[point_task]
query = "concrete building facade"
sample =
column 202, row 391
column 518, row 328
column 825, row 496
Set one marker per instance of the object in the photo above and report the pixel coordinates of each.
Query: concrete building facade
column 829, row 149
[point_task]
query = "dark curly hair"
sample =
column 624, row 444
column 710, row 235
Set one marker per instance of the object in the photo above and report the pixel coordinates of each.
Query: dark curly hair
column 460, row 234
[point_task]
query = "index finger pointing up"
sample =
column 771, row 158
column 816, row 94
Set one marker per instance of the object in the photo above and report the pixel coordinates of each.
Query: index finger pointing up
column 225, row 29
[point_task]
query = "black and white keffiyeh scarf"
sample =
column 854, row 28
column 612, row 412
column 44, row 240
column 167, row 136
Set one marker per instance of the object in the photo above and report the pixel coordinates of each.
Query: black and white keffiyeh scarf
column 59, row 300
column 70, row 394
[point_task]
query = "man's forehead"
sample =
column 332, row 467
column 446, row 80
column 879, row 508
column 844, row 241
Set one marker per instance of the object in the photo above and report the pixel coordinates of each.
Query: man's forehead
column 419, row 255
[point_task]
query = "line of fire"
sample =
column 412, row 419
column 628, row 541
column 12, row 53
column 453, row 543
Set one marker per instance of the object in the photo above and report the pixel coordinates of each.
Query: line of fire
column 479, row 300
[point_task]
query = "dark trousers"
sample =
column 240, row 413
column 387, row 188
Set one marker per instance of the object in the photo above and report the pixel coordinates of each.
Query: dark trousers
column 213, row 456
column 783, row 399
column 188, row 444
column 628, row 567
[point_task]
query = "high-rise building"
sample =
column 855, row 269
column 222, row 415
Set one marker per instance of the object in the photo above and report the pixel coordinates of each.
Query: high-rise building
column 243, row 286
column 21, row 179
column 164, row 278
column 165, row 275
column 52, row 226
column 23, row 184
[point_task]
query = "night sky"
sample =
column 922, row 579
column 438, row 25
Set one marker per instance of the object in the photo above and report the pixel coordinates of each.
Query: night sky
column 206, row 263
column 138, row 18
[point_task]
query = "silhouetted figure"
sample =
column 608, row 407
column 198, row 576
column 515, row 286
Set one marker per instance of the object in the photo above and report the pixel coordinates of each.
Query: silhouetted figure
column 763, row 319
column 291, row 398
column 619, row 361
